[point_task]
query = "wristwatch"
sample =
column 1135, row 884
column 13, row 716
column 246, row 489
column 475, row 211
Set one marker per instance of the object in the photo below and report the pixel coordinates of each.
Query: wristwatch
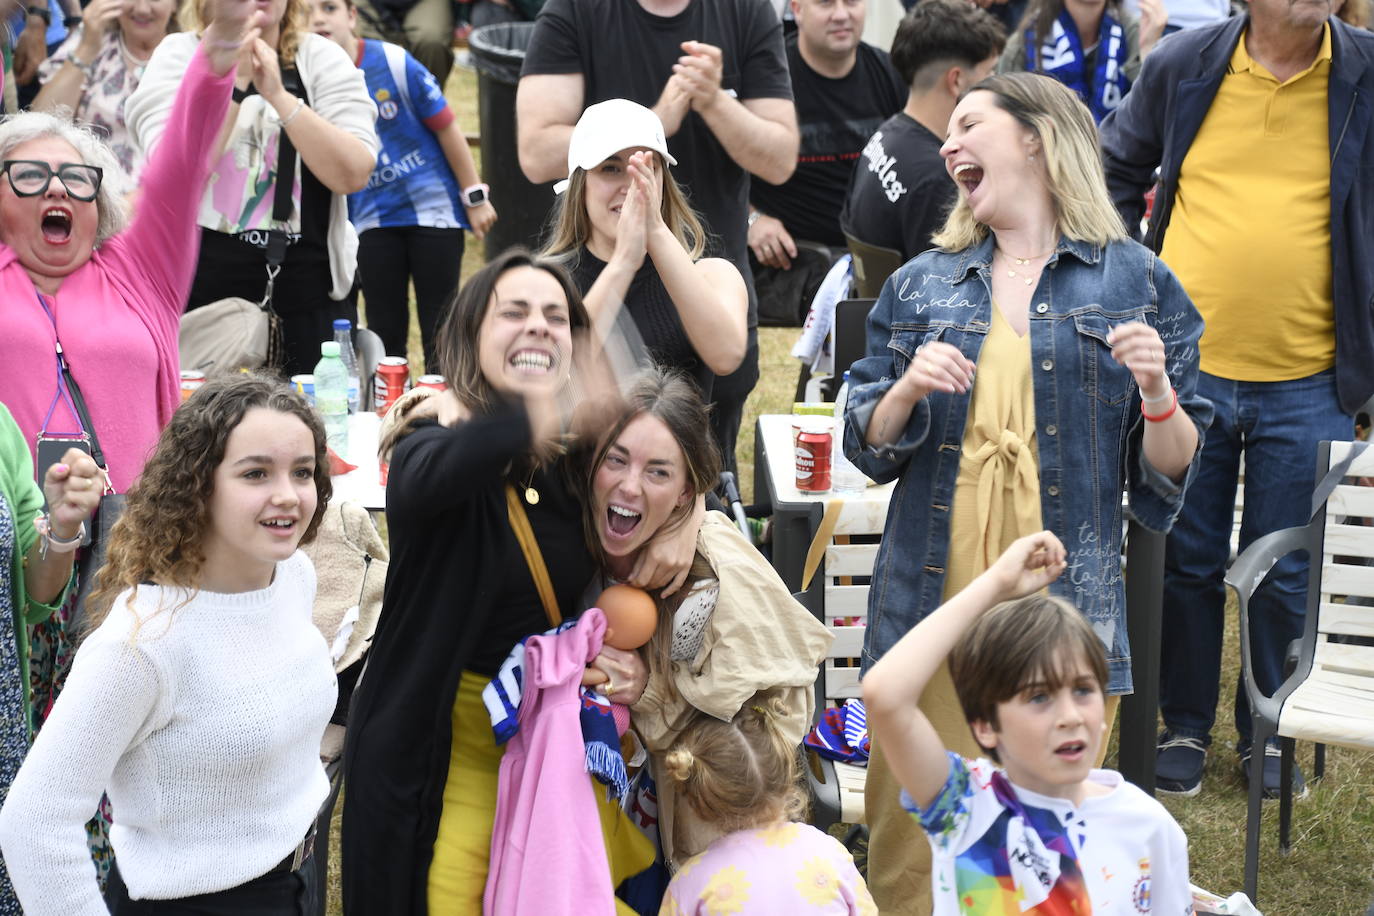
column 72, row 22
column 476, row 195
column 40, row 11
column 754, row 217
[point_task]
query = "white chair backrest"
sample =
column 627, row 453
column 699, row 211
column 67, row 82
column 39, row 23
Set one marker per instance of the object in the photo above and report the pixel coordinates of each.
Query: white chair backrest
column 846, row 603
column 1347, row 562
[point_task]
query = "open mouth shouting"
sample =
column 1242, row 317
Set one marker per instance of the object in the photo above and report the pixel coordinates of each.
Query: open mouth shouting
column 969, row 177
column 621, row 521
column 57, row 225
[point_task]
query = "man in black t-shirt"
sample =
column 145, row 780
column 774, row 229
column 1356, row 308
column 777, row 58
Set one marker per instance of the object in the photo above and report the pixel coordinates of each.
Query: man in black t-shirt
column 899, row 192
column 715, row 74
column 843, row 89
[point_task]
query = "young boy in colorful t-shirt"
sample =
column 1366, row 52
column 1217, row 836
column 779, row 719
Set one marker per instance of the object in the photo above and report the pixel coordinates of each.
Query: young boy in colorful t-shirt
column 1044, row 832
column 423, row 193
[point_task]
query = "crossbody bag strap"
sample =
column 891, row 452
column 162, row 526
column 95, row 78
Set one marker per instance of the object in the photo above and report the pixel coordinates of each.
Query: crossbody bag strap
column 520, row 524
column 84, row 415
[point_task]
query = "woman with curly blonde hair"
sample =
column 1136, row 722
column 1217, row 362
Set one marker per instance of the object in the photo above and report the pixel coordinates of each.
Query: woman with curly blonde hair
column 301, row 112
column 744, row 778
column 199, row 700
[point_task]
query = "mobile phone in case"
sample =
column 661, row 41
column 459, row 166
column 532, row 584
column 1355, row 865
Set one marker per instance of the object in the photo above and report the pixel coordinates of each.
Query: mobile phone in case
column 51, row 450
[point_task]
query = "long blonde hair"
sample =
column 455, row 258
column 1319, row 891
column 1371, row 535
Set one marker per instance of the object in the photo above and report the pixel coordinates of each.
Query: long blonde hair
column 572, row 228
column 1073, row 162
column 740, row 774
column 194, row 16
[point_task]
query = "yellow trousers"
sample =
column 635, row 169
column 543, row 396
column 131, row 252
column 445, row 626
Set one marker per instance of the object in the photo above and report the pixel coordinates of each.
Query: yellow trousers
column 462, row 849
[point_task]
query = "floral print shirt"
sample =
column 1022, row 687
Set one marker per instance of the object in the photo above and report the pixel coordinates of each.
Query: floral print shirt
column 116, row 76
column 789, row 868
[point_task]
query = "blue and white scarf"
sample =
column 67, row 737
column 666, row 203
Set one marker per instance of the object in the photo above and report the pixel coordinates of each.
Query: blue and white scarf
column 599, row 736
column 1061, row 56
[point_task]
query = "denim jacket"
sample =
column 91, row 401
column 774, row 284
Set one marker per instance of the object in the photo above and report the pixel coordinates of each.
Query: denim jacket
column 1087, row 422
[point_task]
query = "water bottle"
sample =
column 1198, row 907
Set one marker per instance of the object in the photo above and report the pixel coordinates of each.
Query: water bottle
column 343, row 336
column 331, row 396
column 845, row 479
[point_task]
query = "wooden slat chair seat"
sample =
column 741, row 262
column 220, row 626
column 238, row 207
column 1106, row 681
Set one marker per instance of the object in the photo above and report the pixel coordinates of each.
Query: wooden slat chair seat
column 837, row 789
column 1329, row 697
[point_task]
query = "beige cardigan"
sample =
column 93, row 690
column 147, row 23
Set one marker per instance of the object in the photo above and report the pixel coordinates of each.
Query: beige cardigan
column 759, row 638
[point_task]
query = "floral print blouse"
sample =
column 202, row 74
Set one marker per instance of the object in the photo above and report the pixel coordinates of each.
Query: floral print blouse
column 116, row 75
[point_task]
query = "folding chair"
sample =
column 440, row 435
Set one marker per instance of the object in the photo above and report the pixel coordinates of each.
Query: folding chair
column 1329, row 697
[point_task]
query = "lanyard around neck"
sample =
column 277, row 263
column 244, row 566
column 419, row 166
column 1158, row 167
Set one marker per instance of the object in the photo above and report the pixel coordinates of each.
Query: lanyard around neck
column 62, row 370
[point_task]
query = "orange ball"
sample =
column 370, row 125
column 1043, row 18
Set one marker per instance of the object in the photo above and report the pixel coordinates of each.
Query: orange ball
column 631, row 616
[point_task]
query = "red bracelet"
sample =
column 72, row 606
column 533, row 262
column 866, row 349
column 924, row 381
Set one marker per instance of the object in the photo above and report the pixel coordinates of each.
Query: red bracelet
column 1161, row 417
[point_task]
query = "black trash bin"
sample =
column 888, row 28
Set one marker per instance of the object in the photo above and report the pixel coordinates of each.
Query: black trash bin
column 498, row 52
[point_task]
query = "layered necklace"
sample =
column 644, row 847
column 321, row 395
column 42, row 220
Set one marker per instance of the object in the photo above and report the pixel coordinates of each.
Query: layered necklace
column 1028, row 274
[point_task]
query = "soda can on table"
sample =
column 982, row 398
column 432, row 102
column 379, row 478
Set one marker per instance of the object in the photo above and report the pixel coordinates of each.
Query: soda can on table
column 392, row 381
column 813, row 457
column 191, row 379
column 305, row 384
column 432, row 381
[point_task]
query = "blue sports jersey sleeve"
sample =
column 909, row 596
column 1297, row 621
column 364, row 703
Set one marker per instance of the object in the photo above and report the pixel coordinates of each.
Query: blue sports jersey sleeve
column 426, row 95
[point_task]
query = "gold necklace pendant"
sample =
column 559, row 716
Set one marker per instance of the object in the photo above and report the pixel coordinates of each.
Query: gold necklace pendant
column 532, row 496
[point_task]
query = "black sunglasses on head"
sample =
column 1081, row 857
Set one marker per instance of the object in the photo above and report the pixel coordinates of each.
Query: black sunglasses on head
column 30, row 177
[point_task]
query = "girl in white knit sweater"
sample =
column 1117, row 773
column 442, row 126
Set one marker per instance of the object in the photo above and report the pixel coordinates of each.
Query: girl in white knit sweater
column 199, row 700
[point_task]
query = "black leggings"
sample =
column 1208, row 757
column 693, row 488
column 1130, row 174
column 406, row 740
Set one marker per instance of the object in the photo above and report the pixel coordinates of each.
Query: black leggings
column 388, row 259
column 278, row 893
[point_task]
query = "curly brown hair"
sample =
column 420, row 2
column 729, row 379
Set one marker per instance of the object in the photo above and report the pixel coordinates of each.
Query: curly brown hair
column 160, row 536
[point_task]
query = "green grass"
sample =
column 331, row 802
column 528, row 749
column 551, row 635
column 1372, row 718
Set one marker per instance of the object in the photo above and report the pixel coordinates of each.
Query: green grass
column 1330, row 871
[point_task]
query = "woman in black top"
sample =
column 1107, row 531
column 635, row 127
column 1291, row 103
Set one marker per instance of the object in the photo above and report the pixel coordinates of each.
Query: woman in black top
column 420, row 759
column 629, row 237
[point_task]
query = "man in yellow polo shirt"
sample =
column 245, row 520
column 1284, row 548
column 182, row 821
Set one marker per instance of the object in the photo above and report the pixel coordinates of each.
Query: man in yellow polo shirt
column 1260, row 129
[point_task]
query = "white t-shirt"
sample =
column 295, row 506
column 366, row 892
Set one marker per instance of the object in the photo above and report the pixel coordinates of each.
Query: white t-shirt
column 999, row 848
column 202, row 719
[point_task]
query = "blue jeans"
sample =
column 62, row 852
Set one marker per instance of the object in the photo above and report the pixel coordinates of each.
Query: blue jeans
column 1277, row 426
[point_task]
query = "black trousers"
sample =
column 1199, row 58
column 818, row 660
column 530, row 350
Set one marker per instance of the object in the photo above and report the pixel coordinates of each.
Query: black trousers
column 389, row 259
column 273, row 894
column 231, row 267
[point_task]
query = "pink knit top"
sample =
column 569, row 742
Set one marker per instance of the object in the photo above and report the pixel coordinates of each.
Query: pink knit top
column 117, row 315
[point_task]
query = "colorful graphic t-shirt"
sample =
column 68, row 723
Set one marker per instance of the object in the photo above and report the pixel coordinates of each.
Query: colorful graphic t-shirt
column 790, row 868
column 412, row 184
column 1001, row 849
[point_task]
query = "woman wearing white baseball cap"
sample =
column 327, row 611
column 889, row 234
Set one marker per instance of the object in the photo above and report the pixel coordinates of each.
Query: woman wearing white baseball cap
column 633, row 244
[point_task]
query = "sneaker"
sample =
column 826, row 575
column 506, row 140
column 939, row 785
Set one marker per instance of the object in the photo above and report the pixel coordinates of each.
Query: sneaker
column 1272, row 761
column 1178, row 766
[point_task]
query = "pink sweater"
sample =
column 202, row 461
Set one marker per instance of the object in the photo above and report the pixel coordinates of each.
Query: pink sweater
column 117, row 315
column 547, row 855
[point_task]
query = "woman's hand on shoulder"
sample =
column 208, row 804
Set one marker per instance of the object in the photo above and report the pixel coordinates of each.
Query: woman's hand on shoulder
column 667, row 558
column 938, row 366
column 1137, row 346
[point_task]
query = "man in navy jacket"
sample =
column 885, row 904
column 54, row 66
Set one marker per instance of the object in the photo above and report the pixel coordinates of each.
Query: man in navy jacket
column 1260, row 129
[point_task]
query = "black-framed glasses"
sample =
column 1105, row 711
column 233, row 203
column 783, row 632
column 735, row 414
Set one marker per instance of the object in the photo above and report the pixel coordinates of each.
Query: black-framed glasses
column 30, row 177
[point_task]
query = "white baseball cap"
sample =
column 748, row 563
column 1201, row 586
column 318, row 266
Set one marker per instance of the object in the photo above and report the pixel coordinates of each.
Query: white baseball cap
column 607, row 128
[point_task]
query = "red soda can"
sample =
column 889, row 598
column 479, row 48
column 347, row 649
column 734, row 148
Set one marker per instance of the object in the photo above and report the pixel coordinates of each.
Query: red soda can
column 432, row 381
column 392, row 381
column 813, row 458
column 191, row 379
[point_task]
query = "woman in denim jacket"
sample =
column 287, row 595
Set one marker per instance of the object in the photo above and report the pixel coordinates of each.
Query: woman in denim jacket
column 1084, row 347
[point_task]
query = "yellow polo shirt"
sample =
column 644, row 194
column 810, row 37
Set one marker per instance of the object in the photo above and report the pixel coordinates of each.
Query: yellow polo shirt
column 1250, row 233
